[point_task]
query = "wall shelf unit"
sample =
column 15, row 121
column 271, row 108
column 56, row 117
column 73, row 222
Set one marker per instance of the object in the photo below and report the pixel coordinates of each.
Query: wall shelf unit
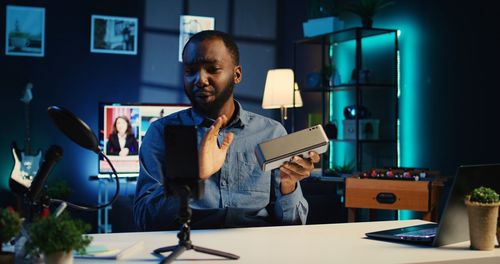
column 355, row 67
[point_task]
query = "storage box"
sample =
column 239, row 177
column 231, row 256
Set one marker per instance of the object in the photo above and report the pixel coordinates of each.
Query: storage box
column 387, row 194
column 368, row 129
column 320, row 26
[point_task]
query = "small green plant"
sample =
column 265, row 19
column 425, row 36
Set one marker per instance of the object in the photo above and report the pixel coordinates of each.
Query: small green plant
column 57, row 234
column 346, row 168
column 483, row 195
column 10, row 225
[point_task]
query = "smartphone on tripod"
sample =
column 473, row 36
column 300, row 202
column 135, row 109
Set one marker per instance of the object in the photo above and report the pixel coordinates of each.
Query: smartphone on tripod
column 181, row 160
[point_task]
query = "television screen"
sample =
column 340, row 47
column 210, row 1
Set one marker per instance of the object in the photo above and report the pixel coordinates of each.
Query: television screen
column 122, row 127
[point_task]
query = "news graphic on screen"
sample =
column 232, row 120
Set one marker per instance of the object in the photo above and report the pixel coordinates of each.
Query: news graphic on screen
column 122, row 127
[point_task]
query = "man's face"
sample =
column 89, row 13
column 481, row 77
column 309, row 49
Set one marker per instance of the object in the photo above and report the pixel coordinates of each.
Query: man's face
column 209, row 75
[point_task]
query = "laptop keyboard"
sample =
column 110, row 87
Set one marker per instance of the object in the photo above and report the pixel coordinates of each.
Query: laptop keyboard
column 423, row 233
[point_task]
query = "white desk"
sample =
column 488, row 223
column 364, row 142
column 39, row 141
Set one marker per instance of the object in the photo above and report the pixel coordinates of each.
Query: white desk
column 330, row 243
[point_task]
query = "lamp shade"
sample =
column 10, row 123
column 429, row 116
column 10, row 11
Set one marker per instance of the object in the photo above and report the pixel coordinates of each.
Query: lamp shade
column 279, row 90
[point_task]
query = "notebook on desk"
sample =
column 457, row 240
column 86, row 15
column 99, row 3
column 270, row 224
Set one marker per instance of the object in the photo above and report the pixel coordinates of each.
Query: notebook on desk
column 453, row 226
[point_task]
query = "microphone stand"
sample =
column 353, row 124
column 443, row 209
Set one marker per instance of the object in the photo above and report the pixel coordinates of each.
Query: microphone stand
column 184, row 234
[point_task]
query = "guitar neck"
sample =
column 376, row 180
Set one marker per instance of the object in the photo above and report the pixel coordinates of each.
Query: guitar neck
column 27, row 137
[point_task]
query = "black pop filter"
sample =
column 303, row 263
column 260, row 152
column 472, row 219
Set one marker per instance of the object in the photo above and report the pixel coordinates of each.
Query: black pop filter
column 80, row 133
column 74, row 128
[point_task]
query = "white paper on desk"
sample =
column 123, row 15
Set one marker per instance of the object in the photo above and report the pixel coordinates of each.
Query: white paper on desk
column 115, row 253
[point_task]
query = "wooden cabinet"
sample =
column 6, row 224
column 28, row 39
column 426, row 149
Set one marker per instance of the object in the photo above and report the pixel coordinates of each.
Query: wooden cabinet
column 421, row 196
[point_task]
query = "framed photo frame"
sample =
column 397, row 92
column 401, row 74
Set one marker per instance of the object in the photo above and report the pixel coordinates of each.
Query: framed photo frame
column 112, row 34
column 190, row 25
column 25, row 31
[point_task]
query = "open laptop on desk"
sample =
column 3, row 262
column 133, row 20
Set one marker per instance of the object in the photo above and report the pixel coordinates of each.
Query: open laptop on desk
column 453, row 226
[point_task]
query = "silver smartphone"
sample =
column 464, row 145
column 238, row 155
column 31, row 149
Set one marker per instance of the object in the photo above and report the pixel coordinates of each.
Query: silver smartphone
column 273, row 153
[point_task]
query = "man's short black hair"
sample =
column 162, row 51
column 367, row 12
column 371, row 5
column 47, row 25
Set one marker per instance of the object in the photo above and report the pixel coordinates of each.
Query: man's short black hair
column 211, row 34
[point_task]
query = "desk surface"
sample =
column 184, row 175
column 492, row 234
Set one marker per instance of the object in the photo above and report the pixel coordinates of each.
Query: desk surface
column 329, row 243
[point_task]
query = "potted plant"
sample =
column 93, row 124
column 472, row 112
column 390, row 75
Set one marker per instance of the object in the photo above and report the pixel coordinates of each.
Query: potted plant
column 367, row 9
column 482, row 209
column 57, row 237
column 10, row 225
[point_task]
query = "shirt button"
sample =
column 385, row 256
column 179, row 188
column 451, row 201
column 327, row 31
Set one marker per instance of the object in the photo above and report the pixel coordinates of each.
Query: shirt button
column 223, row 182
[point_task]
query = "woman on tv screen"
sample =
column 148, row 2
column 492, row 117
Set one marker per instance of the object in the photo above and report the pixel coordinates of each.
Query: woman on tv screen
column 122, row 141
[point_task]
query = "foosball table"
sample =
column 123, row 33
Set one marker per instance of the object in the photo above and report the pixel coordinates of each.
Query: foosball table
column 394, row 189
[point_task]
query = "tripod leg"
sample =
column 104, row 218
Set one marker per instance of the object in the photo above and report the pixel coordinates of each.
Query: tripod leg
column 215, row 252
column 173, row 256
column 164, row 249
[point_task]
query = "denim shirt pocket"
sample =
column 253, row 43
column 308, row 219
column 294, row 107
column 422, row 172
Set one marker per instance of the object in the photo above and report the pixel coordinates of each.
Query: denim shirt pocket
column 250, row 177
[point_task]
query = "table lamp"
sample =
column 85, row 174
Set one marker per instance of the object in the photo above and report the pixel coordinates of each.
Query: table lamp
column 281, row 91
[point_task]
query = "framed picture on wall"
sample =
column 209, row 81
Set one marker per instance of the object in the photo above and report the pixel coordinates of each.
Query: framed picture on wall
column 25, row 31
column 112, row 34
column 190, row 25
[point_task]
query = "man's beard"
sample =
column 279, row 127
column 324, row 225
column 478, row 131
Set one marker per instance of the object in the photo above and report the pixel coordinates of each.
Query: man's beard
column 212, row 109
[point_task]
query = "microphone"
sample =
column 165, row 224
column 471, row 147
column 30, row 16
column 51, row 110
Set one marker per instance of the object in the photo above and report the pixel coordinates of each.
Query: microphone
column 52, row 156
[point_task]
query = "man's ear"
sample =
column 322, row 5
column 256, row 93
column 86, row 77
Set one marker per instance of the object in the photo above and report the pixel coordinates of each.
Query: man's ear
column 237, row 74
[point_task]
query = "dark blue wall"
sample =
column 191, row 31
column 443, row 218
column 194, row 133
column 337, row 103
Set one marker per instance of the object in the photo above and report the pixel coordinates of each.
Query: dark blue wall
column 69, row 75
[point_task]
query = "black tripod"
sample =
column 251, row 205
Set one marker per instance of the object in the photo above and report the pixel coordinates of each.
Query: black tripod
column 184, row 234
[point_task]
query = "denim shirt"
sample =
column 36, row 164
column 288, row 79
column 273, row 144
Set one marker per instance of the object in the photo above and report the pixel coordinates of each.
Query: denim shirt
column 238, row 195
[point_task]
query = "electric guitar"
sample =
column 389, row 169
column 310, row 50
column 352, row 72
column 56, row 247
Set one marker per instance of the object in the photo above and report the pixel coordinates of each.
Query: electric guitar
column 26, row 164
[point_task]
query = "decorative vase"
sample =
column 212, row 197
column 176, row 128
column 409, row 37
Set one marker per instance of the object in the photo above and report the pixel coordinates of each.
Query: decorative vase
column 59, row 258
column 482, row 224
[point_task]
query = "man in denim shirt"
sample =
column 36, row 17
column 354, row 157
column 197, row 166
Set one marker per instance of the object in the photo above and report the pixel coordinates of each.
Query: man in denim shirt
column 237, row 192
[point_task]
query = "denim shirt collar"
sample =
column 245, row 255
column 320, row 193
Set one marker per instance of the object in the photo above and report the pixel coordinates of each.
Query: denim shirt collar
column 240, row 120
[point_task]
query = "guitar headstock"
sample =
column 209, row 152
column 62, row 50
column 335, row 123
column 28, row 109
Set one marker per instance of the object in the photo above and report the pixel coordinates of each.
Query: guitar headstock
column 28, row 95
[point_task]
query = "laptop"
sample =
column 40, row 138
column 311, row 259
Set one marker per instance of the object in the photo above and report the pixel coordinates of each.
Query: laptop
column 453, row 226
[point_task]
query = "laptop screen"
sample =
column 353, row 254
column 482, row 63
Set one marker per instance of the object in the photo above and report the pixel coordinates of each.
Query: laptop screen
column 454, row 225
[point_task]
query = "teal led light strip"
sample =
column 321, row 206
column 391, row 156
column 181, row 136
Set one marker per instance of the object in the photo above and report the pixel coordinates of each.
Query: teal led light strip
column 330, row 113
column 398, row 142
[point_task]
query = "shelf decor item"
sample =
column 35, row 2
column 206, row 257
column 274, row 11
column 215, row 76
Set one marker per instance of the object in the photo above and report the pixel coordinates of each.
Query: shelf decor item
column 57, row 237
column 10, row 226
column 482, row 209
column 320, row 26
column 367, row 9
column 323, row 17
